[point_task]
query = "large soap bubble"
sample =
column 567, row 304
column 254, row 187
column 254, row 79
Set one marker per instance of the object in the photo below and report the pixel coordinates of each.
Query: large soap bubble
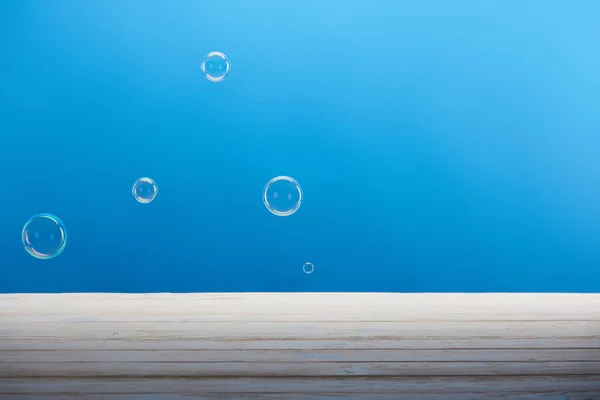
column 215, row 66
column 144, row 190
column 44, row 236
column 282, row 196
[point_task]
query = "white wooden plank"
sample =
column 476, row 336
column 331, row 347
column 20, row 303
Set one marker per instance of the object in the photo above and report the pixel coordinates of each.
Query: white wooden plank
column 225, row 369
column 455, row 387
column 300, row 343
column 346, row 385
column 333, row 396
column 300, row 356
column 269, row 305
column 134, row 330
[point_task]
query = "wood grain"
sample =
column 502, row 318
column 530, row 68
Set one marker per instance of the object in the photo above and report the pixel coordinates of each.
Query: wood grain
column 300, row 346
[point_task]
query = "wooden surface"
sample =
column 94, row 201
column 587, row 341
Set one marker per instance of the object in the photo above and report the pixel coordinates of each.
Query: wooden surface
column 300, row 346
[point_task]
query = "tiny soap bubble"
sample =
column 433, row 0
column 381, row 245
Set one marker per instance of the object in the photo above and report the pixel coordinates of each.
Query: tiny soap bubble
column 308, row 268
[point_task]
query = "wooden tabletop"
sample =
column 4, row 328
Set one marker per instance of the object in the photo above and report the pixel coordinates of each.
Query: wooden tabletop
column 300, row 346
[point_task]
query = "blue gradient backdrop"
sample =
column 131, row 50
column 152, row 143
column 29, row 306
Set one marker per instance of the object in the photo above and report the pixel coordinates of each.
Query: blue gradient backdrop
column 441, row 145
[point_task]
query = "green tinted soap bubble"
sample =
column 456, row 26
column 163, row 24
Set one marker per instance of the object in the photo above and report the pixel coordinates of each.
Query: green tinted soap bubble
column 282, row 196
column 144, row 190
column 215, row 66
column 44, row 236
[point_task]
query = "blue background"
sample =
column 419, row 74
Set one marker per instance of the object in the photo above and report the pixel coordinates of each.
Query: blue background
column 441, row 145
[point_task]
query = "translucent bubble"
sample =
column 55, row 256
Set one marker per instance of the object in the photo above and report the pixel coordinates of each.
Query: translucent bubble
column 144, row 190
column 215, row 66
column 44, row 236
column 282, row 196
column 308, row 268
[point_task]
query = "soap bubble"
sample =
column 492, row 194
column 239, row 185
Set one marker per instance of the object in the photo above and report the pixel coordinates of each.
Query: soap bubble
column 144, row 190
column 282, row 196
column 215, row 66
column 308, row 268
column 44, row 236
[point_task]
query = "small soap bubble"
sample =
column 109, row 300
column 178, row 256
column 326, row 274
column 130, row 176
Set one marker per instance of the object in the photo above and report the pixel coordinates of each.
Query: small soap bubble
column 282, row 196
column 215, row 66
column 144, row 190
column 44, row 236
column 308, row 268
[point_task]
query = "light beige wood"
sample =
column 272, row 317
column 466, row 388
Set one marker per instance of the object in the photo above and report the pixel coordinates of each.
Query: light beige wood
column 300, row 346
